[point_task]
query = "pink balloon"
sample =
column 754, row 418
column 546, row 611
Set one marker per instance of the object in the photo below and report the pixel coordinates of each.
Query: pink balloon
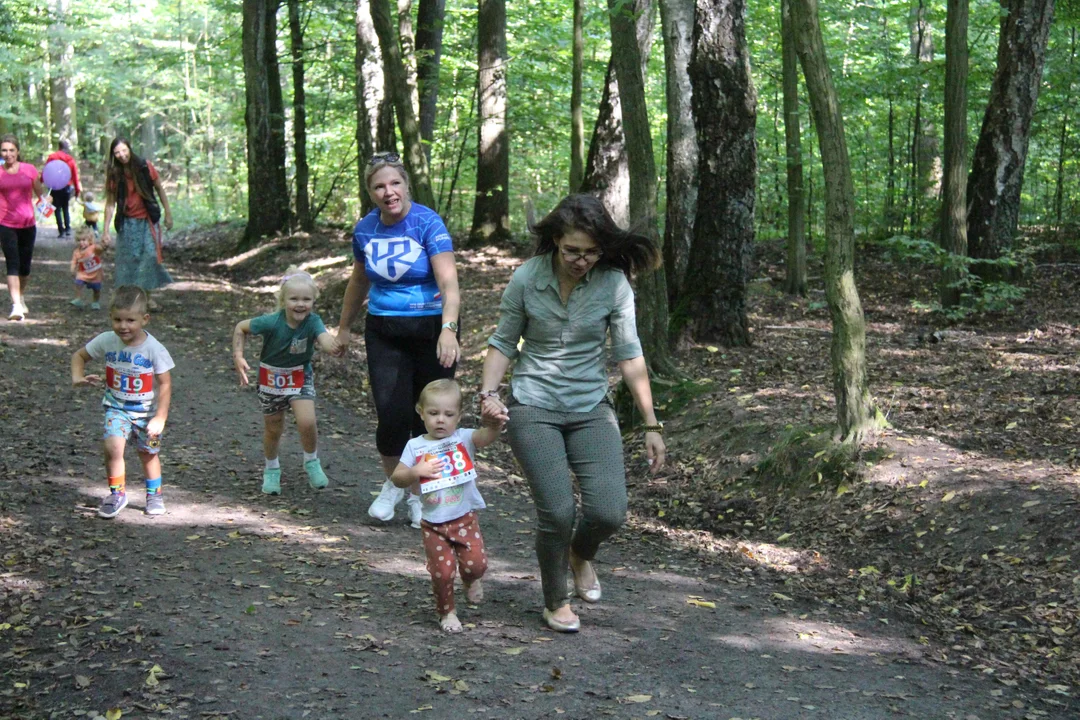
column 56, row 175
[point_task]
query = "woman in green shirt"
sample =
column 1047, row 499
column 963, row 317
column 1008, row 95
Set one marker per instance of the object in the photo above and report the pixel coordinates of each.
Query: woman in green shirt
column 563, row 303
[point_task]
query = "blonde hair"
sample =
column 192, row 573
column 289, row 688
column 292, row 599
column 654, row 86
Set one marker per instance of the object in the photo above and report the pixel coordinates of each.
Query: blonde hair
column 438, row 387
column 131, row 297
column 85, row 232
column 382, row 160
column 87, row 196
column 296, row 276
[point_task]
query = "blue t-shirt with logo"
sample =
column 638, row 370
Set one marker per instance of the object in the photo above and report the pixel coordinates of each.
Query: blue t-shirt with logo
column 397, row 260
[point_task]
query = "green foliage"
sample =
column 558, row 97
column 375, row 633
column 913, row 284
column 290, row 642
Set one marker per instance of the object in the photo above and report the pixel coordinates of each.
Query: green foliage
column 977, row 295
column 168, row 74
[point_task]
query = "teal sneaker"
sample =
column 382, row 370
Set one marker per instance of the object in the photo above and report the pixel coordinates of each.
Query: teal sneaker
column 315, row 476
column 95, row 306
column 272, row 481
column 77, row 302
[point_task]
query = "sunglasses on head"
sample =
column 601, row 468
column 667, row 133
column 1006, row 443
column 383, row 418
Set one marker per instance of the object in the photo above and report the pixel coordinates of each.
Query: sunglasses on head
column 387, row 157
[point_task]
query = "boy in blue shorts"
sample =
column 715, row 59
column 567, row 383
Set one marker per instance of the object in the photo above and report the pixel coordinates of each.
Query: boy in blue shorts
column 138, row 391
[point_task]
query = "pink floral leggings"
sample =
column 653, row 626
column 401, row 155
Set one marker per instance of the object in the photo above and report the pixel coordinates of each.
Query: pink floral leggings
column 458, row 540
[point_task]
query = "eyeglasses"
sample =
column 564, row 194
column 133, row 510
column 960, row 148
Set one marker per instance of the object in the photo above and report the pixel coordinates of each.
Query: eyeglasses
column 386, row 157
column 573, row 254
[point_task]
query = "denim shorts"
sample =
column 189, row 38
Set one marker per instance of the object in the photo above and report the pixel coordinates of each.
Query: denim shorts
column 119, row 423
column 86, row 283
column 274, row 404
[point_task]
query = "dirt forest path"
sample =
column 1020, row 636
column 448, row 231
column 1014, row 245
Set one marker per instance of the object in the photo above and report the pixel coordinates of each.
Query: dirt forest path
column 238, row 605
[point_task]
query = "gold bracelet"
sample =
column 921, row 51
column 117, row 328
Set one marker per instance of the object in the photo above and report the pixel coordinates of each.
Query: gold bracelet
column 657, row 428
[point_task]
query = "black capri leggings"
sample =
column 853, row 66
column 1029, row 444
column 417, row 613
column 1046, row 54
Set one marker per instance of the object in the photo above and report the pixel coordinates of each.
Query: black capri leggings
column 401, row 361
column 18, row 244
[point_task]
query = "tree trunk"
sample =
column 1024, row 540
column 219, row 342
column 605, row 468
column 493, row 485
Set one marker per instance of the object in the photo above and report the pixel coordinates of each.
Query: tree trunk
column 407, row 46
column 429, row 33
column 855, row 411
column 795, row 270
column 491, row 206
column 725, row 115
column 296, row 38
column 954, row 202
column 268, row 191
column 61, row 79
column 927, row 150
column 652, row 305
column 677, row 21
column 607, row 172
column 370, row 96
column 1059, row 182
column 997, row 167
column 577, row 120
column 394, row 66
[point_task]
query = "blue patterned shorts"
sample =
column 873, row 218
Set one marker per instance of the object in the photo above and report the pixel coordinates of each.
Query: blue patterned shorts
column 122, row 425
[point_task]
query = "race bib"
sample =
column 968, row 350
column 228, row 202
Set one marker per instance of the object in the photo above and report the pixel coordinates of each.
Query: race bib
column 281, row 381
column 91, row 264
column 130, row 384
column 457, row 469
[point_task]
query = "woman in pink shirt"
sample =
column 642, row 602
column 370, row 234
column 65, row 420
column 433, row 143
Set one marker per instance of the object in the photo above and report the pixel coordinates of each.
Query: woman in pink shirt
column 18, row 181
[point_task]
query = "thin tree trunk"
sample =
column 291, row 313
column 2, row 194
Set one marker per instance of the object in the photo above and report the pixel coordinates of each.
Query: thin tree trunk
column 725, row 114
column 652, row 305
column 1059, row 185
column 429, row 34
column 369, row 94
column 296, row 37
column 795, row 271
column 61, row 76
column 268, row 190
column 855, row 411
column 677, row 22
column 607, row 172
column 927, row 149
column 890, row 182
column 394, row 67
column 407, row 45
column 577, row 120
column 491, row 207
column 997, row 167
column 954, row 202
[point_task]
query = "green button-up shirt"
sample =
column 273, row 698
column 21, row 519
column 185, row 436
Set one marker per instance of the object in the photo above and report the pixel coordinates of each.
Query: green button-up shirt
column 561, row 365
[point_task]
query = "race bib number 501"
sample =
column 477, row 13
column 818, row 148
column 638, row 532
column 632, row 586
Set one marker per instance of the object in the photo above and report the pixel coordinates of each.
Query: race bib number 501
column 281, row 381
column 128, row 384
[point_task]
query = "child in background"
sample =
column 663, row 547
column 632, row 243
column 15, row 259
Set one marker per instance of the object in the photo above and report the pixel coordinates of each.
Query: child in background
column 441, row 461
column 138, row 391
column 91, row 210
column 286, row 379
column 87, row 267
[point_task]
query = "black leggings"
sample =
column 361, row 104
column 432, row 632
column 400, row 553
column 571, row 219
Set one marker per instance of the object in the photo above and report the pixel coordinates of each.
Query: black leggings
column 61, row 200
column 18, row 244
column 401, row 361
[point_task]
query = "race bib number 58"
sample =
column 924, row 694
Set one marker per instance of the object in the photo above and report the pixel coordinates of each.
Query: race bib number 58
column 127, row 384
column 457, row 469
column 281, row 381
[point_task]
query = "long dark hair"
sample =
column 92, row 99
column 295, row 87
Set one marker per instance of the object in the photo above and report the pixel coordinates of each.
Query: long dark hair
column 9, row 138
column 624, row 250
column 114, row 171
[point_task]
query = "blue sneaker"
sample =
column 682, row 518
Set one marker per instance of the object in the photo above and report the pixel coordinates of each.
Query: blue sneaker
column 112, row 505
column 272, row 481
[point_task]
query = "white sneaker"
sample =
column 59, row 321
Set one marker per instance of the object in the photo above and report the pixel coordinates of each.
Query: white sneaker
column 415, row 510
column 389, row 497
column 16, row 313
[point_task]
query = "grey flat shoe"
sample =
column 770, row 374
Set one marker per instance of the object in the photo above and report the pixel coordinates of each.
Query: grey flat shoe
column 560, row 626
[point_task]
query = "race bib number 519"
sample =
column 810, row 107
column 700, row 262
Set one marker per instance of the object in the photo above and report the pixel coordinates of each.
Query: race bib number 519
column 127, row 384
